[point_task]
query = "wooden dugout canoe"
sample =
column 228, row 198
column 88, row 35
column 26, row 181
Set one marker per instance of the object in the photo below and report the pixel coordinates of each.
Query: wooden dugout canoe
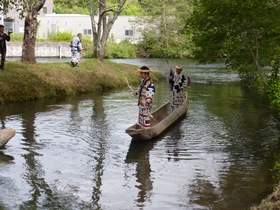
column 164, row 120
column 6, row 135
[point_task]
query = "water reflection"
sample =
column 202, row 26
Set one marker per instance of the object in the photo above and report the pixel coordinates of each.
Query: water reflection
column 139, row 153
column 73, row 153
column 99, row 127
column 5, row 159
column 174, row 147
column 215, row 73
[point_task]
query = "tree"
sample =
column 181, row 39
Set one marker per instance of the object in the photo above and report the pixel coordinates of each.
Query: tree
column 162, row 28
column 246, row 33
column 102, row 27
column 29, row 10
column 70, row 7
column 30, row 31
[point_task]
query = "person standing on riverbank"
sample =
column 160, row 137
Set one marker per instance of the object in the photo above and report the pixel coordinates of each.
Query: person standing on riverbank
column 178, row 84
column 145, row 93
column 3, row 47
column 76, row 48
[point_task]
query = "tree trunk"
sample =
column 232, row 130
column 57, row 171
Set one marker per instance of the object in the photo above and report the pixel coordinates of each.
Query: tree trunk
column 103, row 26
column 99, row 52
column 29, row 39
column 30, row 32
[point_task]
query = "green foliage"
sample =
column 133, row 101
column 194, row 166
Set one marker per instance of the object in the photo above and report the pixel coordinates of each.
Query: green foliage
column 153, row 46
column 71, row 7
column 146, row 47
column 162, row 28
column 16, row 37
column 132, row 7
column 245, row 32
column 87, row 39
column 60, row 37
column 273, row 93
column 22, row 82
column 122, row 50
column 87, row 50
column 20, row 6
column 61, row 9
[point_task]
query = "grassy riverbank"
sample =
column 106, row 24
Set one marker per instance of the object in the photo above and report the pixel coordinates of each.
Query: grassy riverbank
column 271, row 202
column 22, row 82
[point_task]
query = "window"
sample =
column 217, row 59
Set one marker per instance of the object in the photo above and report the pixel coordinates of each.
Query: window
column 9, row 24
column 128, row 32
column 45, row 10
column 53, row 28
column 87, row 31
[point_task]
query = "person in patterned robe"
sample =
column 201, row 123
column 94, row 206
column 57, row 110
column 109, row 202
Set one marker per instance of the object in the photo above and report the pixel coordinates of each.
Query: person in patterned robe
column 145, row 93
column 178, row 84
column 76, row 48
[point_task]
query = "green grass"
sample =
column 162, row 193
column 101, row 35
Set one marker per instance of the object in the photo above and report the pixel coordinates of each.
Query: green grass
column 22, row 82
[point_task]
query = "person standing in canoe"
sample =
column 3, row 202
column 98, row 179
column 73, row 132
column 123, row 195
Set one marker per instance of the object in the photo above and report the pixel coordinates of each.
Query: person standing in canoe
column 178, row 84
column 145, row 93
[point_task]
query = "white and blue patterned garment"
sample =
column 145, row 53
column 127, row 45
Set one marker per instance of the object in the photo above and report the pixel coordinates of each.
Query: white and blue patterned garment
column 146, row 91
column 178, row 83
column 76, row 48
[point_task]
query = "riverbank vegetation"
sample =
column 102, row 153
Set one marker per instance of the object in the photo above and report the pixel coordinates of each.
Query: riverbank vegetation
column 247, row 38
column 22, row 82
column 246, row 34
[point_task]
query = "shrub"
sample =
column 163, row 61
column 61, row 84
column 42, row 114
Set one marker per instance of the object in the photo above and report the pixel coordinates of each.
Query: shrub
column 17, row 37
column 122, row 50
column 60, row 37
column 273, row 93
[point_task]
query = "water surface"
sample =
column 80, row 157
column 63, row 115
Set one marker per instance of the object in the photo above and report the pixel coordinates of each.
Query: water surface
column 73, row 153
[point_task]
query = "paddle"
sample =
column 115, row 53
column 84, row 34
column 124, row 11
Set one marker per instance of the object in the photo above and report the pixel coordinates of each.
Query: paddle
column 170, row 67
column 149, row 113
column 167, row 63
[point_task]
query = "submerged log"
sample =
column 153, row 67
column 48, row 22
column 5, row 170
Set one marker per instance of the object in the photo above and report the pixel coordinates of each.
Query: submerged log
column 6, row 135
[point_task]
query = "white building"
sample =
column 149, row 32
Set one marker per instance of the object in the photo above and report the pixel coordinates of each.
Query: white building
column 52, row 23
column 12, row 22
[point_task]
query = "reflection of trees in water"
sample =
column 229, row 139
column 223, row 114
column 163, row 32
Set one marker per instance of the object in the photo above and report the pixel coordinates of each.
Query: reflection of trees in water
column 41, row 194
column 139, row 153
column 49, row 196
column 75, row 119
column 99, row 144
column 203, row 192
column 231, row 191
column 247, row 136
column 5, row 159
column 34, row 170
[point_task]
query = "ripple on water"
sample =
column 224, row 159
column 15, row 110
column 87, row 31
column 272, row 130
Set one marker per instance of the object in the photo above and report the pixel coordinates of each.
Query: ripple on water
column 77, row 155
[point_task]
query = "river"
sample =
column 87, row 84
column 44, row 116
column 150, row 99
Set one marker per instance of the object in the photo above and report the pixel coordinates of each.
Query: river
column 73, row 152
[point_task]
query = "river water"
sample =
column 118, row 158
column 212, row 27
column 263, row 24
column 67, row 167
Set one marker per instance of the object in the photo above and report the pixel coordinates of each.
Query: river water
column 73, row 153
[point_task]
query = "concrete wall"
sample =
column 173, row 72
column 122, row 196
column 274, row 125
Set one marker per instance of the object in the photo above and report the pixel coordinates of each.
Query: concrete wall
column 42, row 49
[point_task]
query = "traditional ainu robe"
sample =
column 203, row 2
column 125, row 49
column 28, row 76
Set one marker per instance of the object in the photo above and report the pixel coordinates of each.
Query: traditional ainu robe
column 76, row 48
column 146, row 91
column 178, row 84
